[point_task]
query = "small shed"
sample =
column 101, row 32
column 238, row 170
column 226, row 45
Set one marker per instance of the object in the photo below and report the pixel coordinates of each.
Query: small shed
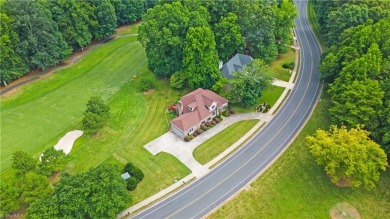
column 125, row 176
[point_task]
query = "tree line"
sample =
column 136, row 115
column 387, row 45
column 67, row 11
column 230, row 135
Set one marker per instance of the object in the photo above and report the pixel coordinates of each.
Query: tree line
column 97, row 193
column 41, row 34
column 357, row 67
column 186, row 39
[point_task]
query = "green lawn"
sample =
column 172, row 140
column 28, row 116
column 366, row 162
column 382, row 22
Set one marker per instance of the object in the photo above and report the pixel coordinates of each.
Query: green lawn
column 128, row 29
column 295, row 187
column 220, row 142
column 41, row 112
column 38, row 115
column 270, row 96
column 277, row 68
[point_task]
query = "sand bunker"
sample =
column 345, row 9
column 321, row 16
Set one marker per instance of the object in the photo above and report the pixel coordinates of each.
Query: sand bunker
column 66, row 142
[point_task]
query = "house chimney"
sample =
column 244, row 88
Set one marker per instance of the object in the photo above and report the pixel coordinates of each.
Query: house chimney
column 179, row 108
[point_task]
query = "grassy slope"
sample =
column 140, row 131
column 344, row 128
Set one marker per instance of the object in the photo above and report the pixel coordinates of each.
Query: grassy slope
column 41, row 112
column 295, row 187
column 137, row 119
column 220, row 142
column 314, row 24
column 270, row 96
column 276, row 66
column 36, row 116
column 128, row 29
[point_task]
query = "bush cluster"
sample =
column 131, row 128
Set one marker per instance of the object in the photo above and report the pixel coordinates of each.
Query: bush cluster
column 146, row 84
column 226, row 113
column 189, row 137
column 288, row 65
column 217, row 120
column 136, row 176
column 199, row 131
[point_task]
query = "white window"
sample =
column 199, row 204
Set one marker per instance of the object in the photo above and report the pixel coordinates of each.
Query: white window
column 191, row 130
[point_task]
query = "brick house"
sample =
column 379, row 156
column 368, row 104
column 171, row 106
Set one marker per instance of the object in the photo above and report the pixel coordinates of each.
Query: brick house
column 195, row 109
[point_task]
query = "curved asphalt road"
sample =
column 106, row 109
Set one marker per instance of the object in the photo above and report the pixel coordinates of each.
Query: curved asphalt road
column 207, row 193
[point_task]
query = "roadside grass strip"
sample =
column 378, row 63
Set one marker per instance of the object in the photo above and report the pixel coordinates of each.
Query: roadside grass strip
column 296, row 187
column 223, row 140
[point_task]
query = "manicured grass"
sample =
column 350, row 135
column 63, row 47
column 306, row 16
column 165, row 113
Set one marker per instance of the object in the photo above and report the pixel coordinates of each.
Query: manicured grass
column 277, row 68
column 38, row 115
column 314, row 24
column 295, row 187
column 223, row 140
column 41, row 112
column 128, row 29
column 137, row 119
column 270, row 96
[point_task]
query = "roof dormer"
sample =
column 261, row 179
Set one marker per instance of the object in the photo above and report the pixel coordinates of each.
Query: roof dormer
column 213, row 106
column 191, row 107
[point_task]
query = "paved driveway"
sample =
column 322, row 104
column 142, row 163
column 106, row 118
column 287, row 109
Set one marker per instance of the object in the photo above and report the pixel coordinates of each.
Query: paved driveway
column 173, row 144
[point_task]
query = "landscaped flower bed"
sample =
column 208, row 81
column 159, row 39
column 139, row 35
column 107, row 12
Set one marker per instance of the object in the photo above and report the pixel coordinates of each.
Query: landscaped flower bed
column 206, row 126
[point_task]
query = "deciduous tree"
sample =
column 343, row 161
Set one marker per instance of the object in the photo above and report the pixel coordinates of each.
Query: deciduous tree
column 8, row 199
column 348, row 154
column 96, row 114
column 75, row 20
column 348, row 15
column 257, row 21
column 11, row 66
column 201, row 59
column 98, row 193
column 45, row 207
column 248, row 84
column 106, row 19
column 41, row 45
column 22, row 163
column 357, row 102
column 228, row 37
column 52, row 160
column 34, row 186
column 285, row 15
column 162, row 33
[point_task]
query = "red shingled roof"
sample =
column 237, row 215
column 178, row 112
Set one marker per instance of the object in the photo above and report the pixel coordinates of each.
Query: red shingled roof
column 199, row 98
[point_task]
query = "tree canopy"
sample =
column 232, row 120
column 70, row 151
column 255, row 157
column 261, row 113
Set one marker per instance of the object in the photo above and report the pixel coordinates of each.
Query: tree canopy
column 229, row 38
column 34, row 186
column 52, row 160
column 11, row 66
column 348, row 154
column 105, row 17
column 41, row 34
column 41, row 45
column 248, row 84
column 262, row 27
column 22, row 163
column 8, row 198
column 357, row 63
column 201, row 59
column 98, row 193
column 96, row 114
column 162, row 33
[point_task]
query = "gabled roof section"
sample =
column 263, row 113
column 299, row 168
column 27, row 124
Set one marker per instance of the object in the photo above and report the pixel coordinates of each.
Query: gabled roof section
column 236, row 63
column 186, row 120
column 202, row 99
